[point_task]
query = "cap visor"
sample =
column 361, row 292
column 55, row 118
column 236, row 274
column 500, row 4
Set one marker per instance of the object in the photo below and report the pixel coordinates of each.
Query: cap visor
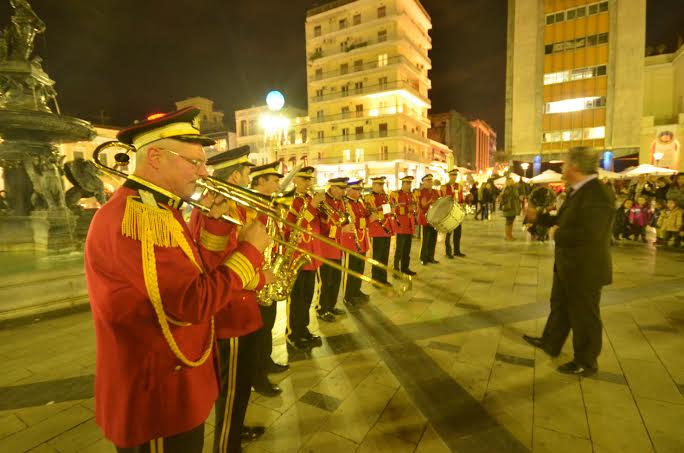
column 201, row 139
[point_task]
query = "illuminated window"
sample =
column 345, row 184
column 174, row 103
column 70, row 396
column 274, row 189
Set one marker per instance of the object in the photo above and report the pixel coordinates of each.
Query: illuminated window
column 358, row 155
column 592, row 133
column 346, row 155
column 357, row 19
column 382, row 83
column 589, row 133
column 345, row 134
column 317, row 30
column 373, row 112
column 359, row 110
column 382, row 60
column 384, row 152
column 575, row 105
column 382, row 11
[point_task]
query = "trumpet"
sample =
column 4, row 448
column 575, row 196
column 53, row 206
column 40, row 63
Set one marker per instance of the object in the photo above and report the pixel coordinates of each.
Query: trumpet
column 255, row 201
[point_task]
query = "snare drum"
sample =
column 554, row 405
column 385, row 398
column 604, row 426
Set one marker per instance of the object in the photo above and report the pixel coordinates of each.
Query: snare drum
column 445, row 215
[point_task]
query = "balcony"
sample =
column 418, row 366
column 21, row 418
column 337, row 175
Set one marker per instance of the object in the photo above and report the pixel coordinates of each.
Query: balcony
column 334, row 30
column 368, row 113
column 395, row 133
column 377, row 88
column 391, row 61
column 359, row 44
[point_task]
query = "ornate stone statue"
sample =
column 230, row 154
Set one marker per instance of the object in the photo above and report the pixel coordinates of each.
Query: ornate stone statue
column 84, row 177
column 25, row 26
column 48, row 189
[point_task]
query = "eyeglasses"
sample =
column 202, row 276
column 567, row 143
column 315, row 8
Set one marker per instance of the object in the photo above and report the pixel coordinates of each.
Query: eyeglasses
column 197, row 163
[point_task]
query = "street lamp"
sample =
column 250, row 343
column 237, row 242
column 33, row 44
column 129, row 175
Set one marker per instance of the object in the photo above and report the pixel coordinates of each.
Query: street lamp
column 274, row 124
column 657, row 156
column 525, row 166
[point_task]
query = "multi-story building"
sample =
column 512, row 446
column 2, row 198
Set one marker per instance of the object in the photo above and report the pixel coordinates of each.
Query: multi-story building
column 210, row 120
column 473, row 141
column 662, row 125
column 368, row 88
column 575, row 74
column 485, row 144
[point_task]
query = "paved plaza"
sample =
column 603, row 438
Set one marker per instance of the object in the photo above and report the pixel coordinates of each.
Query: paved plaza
column 442, row 369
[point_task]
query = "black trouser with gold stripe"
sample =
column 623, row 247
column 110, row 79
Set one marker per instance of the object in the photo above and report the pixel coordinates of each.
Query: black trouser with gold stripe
column 188, row 442
column 402, row 254
column 299, row 304
column 456, row 236
column 352, row 285
column 264, row 343
column 381, row 249
column 331, row 279
column 236, row 362
column 427, row 247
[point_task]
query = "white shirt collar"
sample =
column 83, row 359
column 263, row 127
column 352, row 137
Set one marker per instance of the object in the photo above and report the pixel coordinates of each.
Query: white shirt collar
column 578, row 185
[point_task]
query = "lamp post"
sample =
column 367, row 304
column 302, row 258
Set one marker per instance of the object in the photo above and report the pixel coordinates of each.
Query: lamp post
column 274, row 124
column 657, row 156
column 525, row 166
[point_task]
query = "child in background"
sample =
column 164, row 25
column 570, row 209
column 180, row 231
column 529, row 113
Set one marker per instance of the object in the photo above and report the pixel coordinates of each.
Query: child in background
column 621, row 227
column 670, row 224
column 639, row 217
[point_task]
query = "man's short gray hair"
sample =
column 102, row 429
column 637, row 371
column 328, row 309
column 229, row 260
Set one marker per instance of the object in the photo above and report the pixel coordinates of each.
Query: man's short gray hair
column 584, row 158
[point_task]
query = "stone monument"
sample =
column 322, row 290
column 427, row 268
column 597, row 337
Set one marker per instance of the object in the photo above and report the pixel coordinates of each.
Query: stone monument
column 31, row 127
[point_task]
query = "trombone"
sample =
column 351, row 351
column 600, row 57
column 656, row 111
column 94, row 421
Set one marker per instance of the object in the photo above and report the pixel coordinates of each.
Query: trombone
column 257, row 202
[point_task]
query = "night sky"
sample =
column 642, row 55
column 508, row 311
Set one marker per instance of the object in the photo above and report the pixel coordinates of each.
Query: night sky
column 125, row 59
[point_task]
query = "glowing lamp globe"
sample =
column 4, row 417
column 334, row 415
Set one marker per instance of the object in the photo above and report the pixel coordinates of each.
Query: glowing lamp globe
column 275, row 100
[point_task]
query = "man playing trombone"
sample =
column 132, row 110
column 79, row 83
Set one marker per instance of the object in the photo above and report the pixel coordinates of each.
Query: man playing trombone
column 381, row 229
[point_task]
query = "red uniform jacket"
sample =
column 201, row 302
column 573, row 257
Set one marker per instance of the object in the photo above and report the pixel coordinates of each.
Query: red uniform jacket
column 452, row 191
column 405, row 211
column 309, row 219
column 331, row 227
column 374, row 202
column 425, row 198
column 242, row 316
column 142, row 389
column 359, row 214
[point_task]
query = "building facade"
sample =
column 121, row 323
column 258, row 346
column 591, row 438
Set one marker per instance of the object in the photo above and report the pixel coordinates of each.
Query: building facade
column 485, row 144
column 575, row 76
column 368, row 83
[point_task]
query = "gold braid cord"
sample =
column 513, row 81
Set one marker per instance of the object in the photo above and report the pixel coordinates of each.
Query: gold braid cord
column 154, row 226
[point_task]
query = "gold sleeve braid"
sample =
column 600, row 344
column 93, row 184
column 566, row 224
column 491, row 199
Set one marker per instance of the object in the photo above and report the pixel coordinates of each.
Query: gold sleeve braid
column 238, row 263
column 213, row 242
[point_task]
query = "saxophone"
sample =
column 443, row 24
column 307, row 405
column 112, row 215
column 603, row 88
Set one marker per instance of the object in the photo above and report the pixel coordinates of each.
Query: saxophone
column 284, row 265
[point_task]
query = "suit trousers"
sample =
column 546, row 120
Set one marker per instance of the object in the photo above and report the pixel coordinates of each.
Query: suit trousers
column 188, row 442
column 264, row 342
column 576, row 307
column 402, row 254
column 236, row 363
column 352, row 285
column 427, row 247
column 299, row 304
column 381, row 249
column 331, row 279
column 456, row 237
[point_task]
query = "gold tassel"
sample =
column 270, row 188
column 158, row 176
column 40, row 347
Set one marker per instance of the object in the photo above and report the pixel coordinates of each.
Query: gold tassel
column 147, row 222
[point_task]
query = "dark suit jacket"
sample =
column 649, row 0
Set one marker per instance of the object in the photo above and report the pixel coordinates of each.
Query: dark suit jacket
column 582, row 255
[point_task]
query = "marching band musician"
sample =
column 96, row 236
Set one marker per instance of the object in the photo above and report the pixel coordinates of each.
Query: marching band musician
column 266, row 181
column 405, row 212
column 381, row 229
column 153, row 297
column 304, row 211
column 453, row 190
column 334, row 221
column 361, row 217
column 237, row 323
column 425, row 197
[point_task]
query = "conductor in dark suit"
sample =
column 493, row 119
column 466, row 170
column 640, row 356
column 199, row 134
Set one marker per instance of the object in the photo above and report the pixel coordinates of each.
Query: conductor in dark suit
column 582, row 264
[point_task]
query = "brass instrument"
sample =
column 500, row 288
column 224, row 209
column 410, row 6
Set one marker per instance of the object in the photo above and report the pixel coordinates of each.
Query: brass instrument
column 250, row 199
column 352, row 222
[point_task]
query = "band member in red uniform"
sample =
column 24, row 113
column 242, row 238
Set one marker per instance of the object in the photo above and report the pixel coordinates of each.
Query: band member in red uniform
column 237, row 322
column 266, row 181
column 453, row 190
column 356, row 241
column 426, row 196
column 334, row 222
column 405, row 212
column 381, row 229
column 153, row 297
column 304, row 212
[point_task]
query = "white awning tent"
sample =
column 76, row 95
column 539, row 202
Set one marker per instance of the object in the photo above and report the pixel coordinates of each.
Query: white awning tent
column 549, row 176
column 647, row 169
column 516, row 177
column 608, row 174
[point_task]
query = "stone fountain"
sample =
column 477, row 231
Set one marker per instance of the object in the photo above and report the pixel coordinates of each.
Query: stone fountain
column 31, row 127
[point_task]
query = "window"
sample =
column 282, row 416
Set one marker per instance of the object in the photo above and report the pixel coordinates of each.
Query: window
column 319, row 73
column 382, row 60
column 359, row 132
column 320, row 135
column 344, row 68
column 303, row 134
column 345, row 134
column 560, row 17
column 581, row 11
column 594, row 133
column 343, row 24
column 593, row 9
column 603, row 7
column 243, row 128
column 603, row 38
column 252, row 127
column 591, row 40
column 346, row 155
column 319, row 93
column 548, row 49
column 570, row 14
column 358, row 87
column 345, row 112
column 580, row 42
column 575, row 105
column 601, row 70
column 550, row 19
column 558, row 47
column 358, row 65
column 320, row 115
column 384, row 152
column 357, row 19
column 317, row 30
column 382, row 35
column 382, row 82
column 382, row 11
column 359, row 110
column 345, row 90
column 383, row 130
column 358, row 155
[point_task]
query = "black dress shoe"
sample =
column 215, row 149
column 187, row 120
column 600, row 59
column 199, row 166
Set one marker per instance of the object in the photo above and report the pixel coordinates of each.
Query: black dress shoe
column 250, row 433
column 576, row 369
column 274, row 368
column 267, row 389
column 537, row 342
column 408, row 272
column 462, row 255
column 313, row 339
column 363, row 296
column 337, row 311
column 451, row 257
column 299, row 343
column 326, row 316
column 434, row 261
column 425, row 263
